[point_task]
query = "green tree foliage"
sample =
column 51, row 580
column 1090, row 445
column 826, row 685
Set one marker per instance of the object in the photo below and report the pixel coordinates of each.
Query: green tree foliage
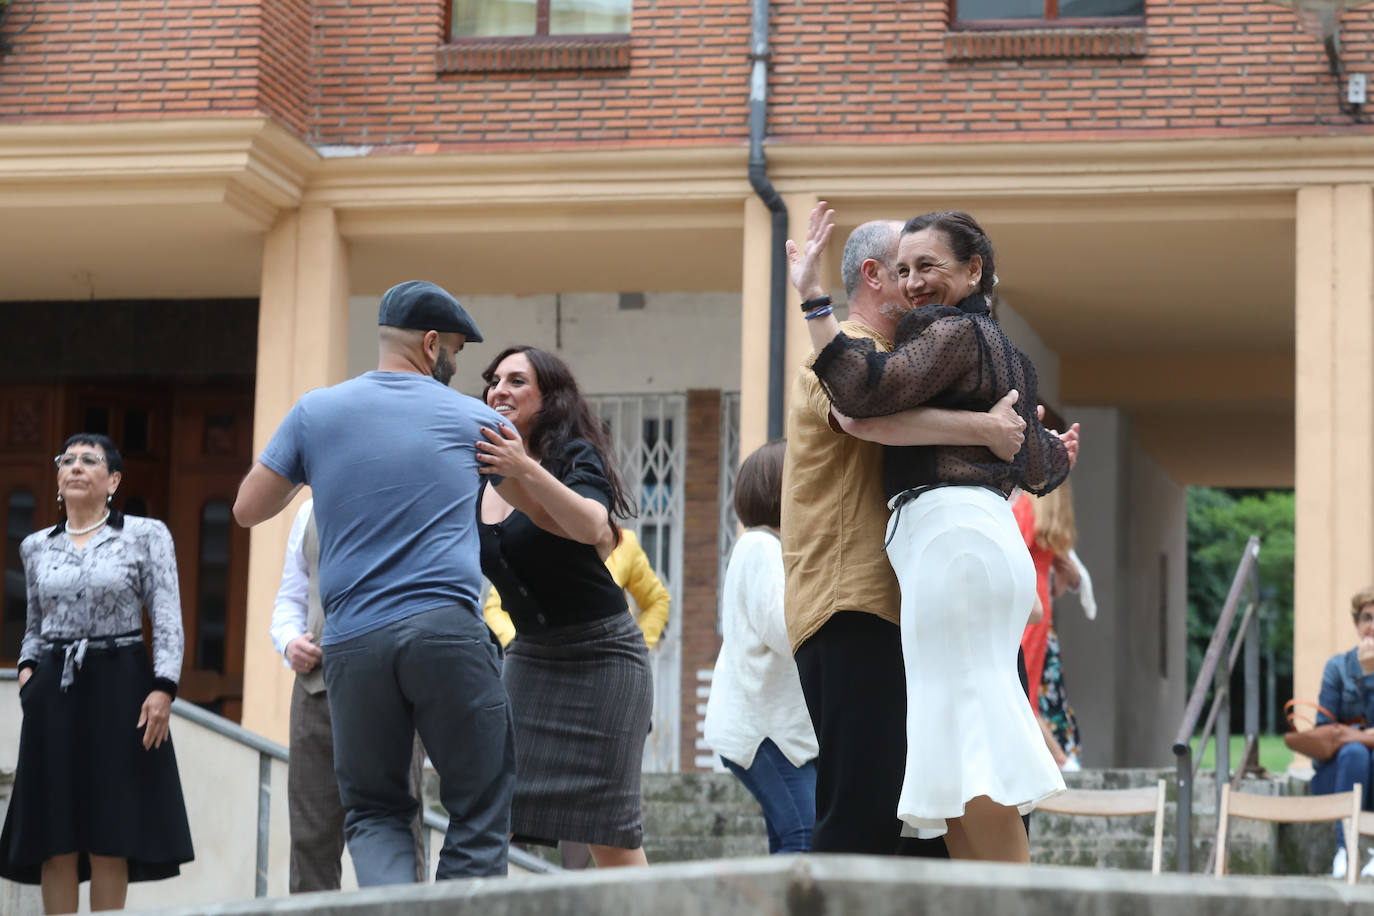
column 1219, row 524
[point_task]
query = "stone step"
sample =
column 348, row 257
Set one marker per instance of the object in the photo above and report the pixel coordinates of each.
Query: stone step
column 16, row 899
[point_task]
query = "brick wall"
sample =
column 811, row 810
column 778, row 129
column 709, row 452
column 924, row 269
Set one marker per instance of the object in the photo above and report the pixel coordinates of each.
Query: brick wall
column 699, row 550
column 687, row 81
column 285, row 77
column 1207, row 65
column 372, row 72
column 155, row 58
column 886, row 70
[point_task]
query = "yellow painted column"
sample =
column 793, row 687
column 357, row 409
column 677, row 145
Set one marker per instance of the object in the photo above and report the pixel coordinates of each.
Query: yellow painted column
column 798, row 340
column 755, row 300
column 302, row 344
column 1335, row 422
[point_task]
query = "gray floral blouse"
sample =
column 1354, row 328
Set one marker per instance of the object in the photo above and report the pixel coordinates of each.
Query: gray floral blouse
column 102, row 589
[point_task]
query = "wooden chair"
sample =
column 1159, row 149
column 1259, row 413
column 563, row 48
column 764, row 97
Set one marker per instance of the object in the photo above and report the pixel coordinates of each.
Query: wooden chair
column 1115, row 803
column 1295, row 809
column 1364, row 826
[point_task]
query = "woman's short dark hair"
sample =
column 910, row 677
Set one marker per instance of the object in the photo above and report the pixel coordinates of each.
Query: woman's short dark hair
column 563, row 416
column 965, row 237
column 758, row 486
column 113, row 462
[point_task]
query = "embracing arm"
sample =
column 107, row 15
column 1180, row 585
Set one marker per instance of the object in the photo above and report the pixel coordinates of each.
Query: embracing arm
column 529, row 487
column 1001, row 429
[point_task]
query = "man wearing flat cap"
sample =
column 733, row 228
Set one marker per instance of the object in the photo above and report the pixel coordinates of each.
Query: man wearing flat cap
column 391, row 459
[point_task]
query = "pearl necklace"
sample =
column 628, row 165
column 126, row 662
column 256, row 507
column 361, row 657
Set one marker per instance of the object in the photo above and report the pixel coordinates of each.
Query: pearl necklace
column 81, row 531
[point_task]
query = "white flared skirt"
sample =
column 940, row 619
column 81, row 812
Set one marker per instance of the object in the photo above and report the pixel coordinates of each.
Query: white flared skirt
column 968, row 585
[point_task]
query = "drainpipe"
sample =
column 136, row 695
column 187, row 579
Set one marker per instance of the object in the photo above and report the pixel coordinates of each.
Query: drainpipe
column 758, row 179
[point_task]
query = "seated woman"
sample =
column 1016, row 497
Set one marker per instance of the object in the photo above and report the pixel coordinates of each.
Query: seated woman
column 1347, row 700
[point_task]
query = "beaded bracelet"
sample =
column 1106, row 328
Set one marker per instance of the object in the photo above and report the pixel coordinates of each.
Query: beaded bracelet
column 819, row 313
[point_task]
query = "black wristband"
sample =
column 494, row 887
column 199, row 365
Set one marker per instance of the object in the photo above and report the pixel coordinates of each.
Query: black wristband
column 166, row 685
column 819, row 302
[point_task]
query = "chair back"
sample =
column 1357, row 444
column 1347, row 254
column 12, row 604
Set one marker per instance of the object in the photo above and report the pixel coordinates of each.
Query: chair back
column 1293, row 809
column 1115, row 803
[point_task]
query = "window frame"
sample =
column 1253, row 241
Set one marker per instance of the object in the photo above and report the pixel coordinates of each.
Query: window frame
column 1047, row 21
column 541, row 33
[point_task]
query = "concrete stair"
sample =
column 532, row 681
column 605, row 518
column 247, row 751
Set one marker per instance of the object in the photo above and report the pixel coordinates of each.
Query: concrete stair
column 692, row 816
column 16, row 899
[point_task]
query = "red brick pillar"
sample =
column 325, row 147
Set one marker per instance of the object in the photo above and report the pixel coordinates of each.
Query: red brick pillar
column 700, row 565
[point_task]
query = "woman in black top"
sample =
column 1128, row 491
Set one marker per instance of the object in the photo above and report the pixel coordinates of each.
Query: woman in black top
column 975, row 756
column 578, row 670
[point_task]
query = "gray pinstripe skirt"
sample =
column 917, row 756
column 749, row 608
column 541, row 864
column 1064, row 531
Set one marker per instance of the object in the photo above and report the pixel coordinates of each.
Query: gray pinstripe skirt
column 582, row 696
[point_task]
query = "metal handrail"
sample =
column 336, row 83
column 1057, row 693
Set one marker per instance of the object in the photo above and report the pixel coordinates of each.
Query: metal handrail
column 1216, row 676
column 268, row 751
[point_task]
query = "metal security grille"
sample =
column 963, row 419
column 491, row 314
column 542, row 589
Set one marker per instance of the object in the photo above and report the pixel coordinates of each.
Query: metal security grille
column 649, row 435
column 729, row 468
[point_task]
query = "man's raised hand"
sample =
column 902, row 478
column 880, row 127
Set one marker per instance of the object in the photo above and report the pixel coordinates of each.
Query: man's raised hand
column 803, row 264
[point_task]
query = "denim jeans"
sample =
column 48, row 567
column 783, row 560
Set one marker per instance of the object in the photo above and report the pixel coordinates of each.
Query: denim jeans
column 786, row 793
column 1353, row 763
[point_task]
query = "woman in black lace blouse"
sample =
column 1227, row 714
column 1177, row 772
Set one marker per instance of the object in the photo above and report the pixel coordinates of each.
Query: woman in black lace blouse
column 975, row 757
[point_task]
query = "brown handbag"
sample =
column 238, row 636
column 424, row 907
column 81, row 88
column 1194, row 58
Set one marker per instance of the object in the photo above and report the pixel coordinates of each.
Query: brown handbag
column 1320, row 742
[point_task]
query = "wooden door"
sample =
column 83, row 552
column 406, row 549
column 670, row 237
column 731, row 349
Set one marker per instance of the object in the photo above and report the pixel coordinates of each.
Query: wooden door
column 185, row 448
column 29, row 437
column 138, row 418
column 213, row 439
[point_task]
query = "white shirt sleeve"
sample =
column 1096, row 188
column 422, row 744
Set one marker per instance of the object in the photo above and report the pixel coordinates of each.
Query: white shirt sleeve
column 1085, row 587
column 290, row 610
column 763, row 602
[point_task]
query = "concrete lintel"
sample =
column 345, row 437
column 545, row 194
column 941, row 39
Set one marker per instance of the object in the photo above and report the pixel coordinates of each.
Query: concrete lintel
column 831, row 886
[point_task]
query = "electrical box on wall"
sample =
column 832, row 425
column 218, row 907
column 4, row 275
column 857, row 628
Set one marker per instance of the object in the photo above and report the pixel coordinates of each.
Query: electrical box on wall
column 1356, row 91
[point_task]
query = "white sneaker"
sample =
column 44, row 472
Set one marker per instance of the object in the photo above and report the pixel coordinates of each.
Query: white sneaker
column 1368, row 870
column 1338, row 864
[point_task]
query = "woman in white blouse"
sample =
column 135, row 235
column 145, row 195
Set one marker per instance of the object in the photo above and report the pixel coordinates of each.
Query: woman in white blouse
column 96, row 792
column 756, row 717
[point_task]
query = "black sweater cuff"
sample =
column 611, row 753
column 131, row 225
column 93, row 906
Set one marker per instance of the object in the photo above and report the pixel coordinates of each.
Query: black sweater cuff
column 165, row 685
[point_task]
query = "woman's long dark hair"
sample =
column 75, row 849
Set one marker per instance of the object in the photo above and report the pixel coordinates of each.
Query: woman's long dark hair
column 564, row 416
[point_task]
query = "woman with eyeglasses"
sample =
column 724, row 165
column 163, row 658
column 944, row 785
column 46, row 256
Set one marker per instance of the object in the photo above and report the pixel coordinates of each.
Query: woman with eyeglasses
column 96, row 792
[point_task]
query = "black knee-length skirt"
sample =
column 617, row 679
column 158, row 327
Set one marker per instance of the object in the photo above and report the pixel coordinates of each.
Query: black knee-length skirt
column 582, row 697
column 84, row 783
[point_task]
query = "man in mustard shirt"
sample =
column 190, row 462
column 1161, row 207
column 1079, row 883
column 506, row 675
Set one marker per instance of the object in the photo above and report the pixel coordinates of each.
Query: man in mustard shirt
column 841, row 598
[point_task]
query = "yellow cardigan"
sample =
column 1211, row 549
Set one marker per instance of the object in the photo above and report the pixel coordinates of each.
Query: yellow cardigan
column 631, row 571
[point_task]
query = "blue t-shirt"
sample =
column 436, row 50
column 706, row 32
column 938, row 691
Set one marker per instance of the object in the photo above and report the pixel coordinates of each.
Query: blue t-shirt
column 392, row 460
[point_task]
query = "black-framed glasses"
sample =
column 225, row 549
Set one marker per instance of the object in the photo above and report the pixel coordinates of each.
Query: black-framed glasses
column 87, row 459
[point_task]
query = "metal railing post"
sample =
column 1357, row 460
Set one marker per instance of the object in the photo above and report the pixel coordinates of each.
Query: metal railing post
column 1184, row 829
column 1252, row 684
column 1223, row 732
column 264, row 821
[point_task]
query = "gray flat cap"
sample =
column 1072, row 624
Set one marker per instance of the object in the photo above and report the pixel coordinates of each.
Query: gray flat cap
column 424, row 306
